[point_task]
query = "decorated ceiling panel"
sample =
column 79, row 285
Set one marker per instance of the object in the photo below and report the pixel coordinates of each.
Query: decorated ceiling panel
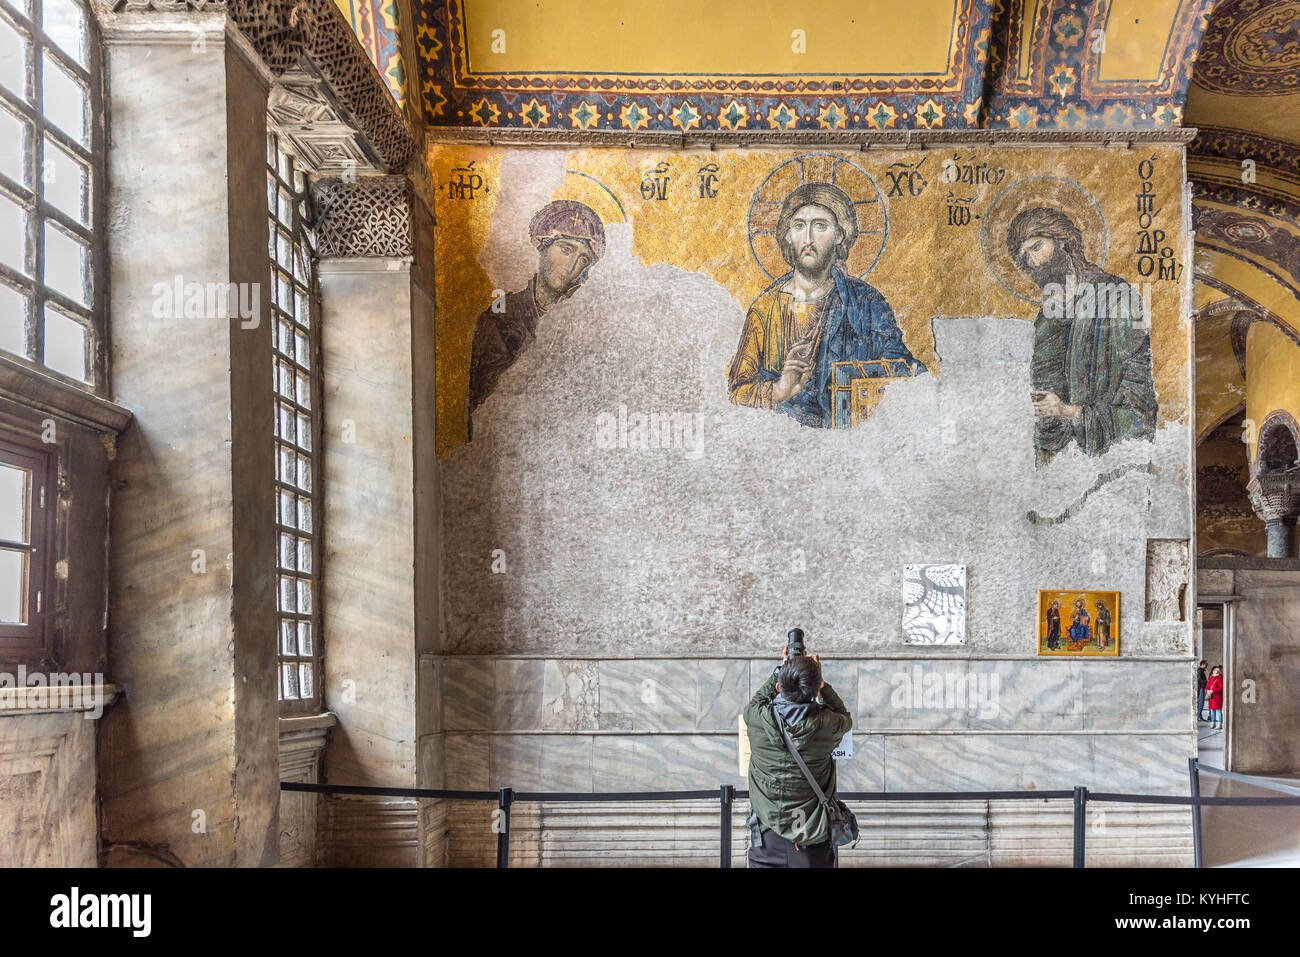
column 768, row 65
column 1247, row 73
column 676, row 65
column 1111, row 63
column 1262, row 233
column 1246, row 161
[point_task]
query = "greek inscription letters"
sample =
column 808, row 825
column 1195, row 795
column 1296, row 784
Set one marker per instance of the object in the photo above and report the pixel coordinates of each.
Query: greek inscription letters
column 708, row 180
column 1154, row 257
column 905, row 176
column 465, row 182
column 959, row 209
column 962, row 170
column 654, row 182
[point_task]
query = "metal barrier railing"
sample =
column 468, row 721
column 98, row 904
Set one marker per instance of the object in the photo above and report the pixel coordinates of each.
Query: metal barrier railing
column 1194, row 768
column 727, row 794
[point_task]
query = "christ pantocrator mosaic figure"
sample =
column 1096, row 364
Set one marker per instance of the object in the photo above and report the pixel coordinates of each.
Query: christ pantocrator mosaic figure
column 814, row 316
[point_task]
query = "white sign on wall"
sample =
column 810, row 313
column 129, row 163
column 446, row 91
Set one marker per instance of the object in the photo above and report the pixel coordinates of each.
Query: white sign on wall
column 934, row 604
column 845, row 749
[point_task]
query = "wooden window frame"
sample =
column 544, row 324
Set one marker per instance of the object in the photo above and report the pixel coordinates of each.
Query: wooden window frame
column 287, row 189
column 34, row 638
column 39, row 211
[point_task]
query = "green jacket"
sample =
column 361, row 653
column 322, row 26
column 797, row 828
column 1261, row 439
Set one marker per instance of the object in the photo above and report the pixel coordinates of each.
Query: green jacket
column 778, row 792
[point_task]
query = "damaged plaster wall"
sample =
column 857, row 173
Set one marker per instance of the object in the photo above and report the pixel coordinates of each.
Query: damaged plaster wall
column 625, row 548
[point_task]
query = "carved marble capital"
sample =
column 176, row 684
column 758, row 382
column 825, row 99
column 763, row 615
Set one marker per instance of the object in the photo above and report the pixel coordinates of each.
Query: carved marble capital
column 367, row 216
column 1275, row 496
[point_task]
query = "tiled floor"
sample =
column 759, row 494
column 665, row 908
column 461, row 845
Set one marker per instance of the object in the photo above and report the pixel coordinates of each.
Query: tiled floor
column 1245, row 836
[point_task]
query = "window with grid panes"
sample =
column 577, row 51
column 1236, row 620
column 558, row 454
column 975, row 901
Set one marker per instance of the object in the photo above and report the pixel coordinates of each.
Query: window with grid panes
column 51, row 136
column 27, row 505
column 297, row 431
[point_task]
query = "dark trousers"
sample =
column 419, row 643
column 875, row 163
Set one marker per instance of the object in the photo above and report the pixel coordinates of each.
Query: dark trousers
column 778, row 852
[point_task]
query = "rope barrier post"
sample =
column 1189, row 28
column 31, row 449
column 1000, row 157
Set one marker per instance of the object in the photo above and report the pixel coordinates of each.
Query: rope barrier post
column 505, row 797
column 1194, row 775
column 1080, row 816
column 727, row 796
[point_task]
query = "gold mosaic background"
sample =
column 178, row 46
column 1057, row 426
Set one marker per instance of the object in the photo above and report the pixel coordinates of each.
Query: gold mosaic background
column 933, row 262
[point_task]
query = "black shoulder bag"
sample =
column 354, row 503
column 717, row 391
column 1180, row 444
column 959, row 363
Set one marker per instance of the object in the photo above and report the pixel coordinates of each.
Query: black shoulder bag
column 844, row 825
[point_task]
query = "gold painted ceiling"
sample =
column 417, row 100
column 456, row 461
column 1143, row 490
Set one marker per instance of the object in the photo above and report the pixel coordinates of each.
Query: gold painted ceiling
column 768, row 65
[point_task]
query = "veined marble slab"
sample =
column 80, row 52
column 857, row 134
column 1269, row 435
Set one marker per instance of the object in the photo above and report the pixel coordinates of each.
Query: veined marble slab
column 921, row 694
column 1151, row 764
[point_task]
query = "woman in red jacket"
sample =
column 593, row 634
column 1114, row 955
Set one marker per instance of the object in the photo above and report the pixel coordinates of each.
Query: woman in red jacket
column 1214, row 691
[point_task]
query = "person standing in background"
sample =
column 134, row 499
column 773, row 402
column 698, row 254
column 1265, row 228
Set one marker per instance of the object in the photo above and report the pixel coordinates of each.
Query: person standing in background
column 1214, row 685
column 1201, row 679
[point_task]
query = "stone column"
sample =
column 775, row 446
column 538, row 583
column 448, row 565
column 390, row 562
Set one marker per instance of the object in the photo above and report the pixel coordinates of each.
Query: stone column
column 189, row 760
column 1275, row 497
column 380, row 581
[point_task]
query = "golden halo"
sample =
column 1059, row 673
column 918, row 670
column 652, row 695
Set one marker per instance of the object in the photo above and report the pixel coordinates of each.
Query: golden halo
column 598, row 197
column 868, row 203
column 1061, row 194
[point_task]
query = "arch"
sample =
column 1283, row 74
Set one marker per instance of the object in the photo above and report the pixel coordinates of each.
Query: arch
column 1204, row 432
column 1279, row 444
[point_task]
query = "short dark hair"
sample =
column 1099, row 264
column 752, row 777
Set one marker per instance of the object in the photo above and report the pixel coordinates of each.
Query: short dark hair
column 800, row 679
column 1204, row 662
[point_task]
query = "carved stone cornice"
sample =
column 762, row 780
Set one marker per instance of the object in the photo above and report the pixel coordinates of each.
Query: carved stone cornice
column 310, row 40
column 368, row 216
column 1275, row 496
column 311, row 128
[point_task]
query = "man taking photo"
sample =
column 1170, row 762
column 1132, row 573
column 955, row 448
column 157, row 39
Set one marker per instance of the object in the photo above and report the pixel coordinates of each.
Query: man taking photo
column 789, row 826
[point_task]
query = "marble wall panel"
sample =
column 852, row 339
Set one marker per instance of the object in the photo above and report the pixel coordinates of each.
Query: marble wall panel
column 914, row 694
column 570, row 696
column 428, row 716
column 434, row 832
column 466, row 760
column 664, row 762
column 542, row 762
column 913, row 834
column 721, row 694
column 468, row 694
column 865, row 771
column 1040, row 834
column 650, row 695
column 760, row 669
column 517, row 702
column 1150, row 696
column 432, row 761
column 1131, row 763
